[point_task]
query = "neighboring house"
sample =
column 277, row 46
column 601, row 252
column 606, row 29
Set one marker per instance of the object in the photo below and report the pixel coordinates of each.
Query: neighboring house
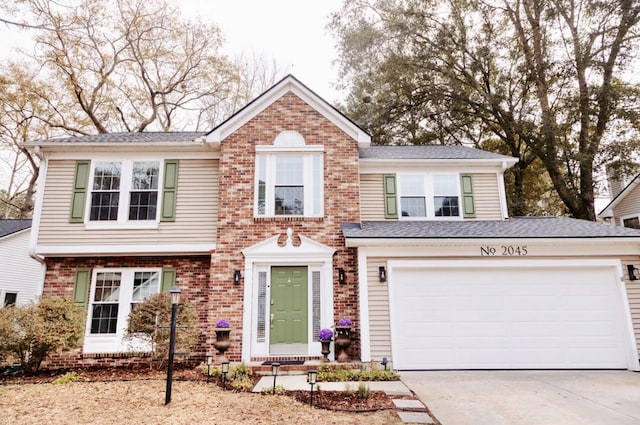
column 624, row 208
column 21, row 276
column 284, row 219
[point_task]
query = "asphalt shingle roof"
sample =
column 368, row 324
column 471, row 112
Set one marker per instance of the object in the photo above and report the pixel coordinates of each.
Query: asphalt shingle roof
column 428, row 152
column 9, row 226
column 133, row 137
column 522, row 227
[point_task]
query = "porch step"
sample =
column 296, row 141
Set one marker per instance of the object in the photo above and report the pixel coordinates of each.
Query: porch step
column 285, row 369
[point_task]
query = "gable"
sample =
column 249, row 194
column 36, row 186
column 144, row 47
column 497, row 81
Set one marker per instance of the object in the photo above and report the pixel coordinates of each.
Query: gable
column 289, row 84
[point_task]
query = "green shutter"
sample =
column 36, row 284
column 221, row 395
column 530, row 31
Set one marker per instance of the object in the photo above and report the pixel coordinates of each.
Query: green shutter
column 169, row 191
column 81, row 286
column 390, row 196
column 80, row 184
column 466, row 184
column 168, row 279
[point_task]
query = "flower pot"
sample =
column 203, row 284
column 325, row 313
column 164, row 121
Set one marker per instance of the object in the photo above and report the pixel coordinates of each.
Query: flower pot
column 222, row 342
column 325, row 349
column 342, row 343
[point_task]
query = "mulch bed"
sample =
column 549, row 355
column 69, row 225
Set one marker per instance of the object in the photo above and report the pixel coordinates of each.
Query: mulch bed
column 330, row 400
column 345, row 401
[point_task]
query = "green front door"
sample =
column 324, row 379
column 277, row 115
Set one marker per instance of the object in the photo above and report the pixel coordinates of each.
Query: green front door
column 289, row 310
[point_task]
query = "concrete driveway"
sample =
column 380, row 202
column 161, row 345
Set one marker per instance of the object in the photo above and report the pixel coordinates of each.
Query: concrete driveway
column 529, row 397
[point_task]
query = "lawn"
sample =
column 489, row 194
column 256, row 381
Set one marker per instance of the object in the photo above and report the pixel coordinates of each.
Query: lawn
column 142, row 402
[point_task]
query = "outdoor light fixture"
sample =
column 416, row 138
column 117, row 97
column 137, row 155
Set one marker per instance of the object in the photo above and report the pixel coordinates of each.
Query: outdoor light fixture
column 175, row 299
column 341, row 277
column 209, row 361
column 225, row 370
column 382, row 273
column 274, row 372
column 236, row 277
column 312, row 376
column 384, row 362
column 634, row 273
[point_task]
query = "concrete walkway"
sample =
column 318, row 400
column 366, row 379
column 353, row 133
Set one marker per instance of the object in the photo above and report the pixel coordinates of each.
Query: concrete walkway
column 406, row 409
column 529, row 397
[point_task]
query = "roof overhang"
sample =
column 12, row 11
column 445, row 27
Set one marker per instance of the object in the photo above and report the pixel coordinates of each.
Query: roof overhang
column 608, row 210
column 284, row 86
column 389, row 165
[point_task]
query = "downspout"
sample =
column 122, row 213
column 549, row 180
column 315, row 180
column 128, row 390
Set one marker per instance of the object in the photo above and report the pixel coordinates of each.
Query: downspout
column 502, row 191
column 35, row 221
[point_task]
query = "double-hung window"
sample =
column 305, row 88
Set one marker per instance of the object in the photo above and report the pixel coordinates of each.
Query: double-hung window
column 429, row 196
column 288, row 184
column 114, row 294
column 124, row 191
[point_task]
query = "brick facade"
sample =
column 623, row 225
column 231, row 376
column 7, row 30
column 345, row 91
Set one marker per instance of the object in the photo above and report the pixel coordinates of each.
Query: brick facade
column 192, row 276
column 238, row 229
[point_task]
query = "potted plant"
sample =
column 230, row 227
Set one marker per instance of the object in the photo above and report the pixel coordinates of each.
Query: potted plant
column 222, row 343
column 343, row 339
column 325, row 336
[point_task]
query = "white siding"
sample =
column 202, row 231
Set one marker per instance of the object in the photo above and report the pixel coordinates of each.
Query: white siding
column 371, row 197
column 630, row 205
column 633, row 294
column 486, row 197
column 196, row 211
column 379, row 324
column 18, row 271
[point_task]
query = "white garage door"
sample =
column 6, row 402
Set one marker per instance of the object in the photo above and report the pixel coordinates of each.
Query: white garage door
column 534, row 316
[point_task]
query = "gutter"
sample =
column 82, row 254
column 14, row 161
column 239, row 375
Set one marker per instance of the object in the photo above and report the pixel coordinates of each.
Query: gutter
column 35, row 221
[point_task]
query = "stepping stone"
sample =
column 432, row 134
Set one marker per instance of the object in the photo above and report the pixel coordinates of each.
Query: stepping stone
column 408, row 404
column 415, row 417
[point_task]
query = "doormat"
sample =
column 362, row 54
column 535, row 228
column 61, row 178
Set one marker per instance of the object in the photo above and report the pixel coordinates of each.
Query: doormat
column 284, row 362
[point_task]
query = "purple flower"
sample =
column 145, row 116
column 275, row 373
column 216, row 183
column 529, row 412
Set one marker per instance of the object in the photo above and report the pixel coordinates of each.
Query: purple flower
column 222, row 323
column 345, row 321
column 325, row 335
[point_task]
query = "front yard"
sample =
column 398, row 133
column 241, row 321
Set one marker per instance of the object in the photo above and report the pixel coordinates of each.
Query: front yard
column 142, row 402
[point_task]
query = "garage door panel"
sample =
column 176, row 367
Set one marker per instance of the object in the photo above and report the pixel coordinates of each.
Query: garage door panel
column 486, row 317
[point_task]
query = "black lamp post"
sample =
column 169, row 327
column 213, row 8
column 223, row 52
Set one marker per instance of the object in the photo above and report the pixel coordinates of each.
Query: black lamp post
column 175, row 299
column 384, row 362
column 225, row 370
column 274, row 372
column 209, row 361
column 312, row 375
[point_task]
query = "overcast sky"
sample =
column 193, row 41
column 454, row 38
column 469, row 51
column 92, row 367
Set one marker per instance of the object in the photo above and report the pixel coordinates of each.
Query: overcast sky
column 293, row 32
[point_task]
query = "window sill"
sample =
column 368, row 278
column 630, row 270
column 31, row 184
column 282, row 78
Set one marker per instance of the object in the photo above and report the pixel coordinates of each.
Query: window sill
column 122, row 226
column 287, row 219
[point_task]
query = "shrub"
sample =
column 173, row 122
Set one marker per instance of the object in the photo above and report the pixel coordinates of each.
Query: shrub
column 33, row 332
column 150, row 322
column 363, row 390
column 66, row 378
column 244, row 384
column 239, row 371
column 344, row 373
column 280, row 390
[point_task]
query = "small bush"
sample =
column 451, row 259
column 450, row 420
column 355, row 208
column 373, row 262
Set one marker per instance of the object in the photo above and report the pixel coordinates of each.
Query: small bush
column 214, row 372
column 66, row 378
column 348, row 389
column 244, row 384
column 150, row 322
column 344, row 373
column 363, row 390
column 33, row 332
column 239, row 371
column 280, row 390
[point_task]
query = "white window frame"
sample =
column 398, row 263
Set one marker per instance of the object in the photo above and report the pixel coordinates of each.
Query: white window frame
column 125, row 196
column 311, row 186
column 429, row 196
column 115, row 343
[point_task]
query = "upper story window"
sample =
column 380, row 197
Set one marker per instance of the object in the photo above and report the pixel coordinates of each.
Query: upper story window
column 429, row 196
column 124, row 191
column 289, row 178
column 631, row 222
